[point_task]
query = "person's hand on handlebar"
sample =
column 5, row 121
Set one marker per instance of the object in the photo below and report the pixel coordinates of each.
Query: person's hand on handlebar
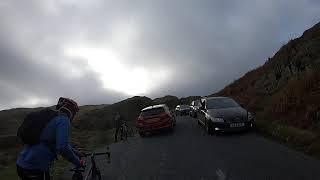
column 82, row 163
column 79, row 152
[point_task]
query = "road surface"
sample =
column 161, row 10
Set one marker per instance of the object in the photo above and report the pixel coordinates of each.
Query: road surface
column 189, row 153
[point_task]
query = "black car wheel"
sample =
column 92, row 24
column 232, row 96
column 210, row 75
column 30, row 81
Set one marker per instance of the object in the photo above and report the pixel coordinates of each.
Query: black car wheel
column 209, row 127
column 172, row 127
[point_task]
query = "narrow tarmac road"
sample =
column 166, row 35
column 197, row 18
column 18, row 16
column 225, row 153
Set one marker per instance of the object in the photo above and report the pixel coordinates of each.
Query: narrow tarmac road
column 189, row 153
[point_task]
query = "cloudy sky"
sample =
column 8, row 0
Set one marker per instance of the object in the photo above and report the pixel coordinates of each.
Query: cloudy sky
column 102, row 51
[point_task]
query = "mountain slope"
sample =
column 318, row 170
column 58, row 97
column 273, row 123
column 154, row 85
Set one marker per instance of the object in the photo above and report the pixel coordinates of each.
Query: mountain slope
column 287, row 87
column 102, row 118
column 93, row 117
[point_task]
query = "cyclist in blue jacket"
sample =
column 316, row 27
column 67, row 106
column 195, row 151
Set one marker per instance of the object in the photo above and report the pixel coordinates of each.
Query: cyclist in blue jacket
column 35, row 161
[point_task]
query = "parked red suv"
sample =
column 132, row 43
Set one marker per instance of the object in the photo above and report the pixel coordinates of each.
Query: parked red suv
column 155, row 118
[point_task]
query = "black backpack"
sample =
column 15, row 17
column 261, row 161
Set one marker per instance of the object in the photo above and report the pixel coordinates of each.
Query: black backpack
column 31, row 128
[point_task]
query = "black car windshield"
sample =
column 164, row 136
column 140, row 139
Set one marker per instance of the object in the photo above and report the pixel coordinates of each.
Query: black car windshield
column 152, row 112
column 221, row 103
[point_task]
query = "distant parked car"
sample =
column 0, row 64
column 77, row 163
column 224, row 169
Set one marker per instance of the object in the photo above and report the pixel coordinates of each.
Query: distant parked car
column 154, row 118
column 195, row 107
column 222, row 114
column 183, row 110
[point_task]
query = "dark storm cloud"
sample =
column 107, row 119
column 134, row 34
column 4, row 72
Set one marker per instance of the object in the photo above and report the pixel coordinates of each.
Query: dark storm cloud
column 210, row 43
column 203, row 44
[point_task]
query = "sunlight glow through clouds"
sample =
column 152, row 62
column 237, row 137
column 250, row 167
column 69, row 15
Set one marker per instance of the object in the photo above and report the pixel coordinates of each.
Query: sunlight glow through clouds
column 116, row 75
column 31, row 101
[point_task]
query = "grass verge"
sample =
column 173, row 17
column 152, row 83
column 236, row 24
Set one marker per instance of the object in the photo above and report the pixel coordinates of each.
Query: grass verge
column 89, row 140
column 302, row 140
column 9, row 172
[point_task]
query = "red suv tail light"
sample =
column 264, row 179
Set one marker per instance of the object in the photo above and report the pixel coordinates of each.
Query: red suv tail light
column 139, row 121
column 140, row 118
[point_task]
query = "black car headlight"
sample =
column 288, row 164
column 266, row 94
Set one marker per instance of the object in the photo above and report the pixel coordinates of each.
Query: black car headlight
column 217, row 119
column 214, row 119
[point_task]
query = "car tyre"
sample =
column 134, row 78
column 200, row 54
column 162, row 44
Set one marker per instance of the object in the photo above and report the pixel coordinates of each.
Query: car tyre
column 174, row 122
column 172, row 127
column 209, row 127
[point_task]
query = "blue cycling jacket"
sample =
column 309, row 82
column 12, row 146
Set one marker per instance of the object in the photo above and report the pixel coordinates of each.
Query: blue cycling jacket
column 54, row 140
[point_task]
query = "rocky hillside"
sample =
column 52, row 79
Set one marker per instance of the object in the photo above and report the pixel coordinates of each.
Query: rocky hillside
column 287, row 87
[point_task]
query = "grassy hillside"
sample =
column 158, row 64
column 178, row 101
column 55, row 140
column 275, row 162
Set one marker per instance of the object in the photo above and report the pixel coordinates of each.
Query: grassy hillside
column 10, row 119
column 102, row 118
column 92, row 117
column 285, row 91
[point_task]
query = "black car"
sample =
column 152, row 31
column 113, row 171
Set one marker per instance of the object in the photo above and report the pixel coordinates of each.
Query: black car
column 195, row 108
column 182, row 110
column 222, row 114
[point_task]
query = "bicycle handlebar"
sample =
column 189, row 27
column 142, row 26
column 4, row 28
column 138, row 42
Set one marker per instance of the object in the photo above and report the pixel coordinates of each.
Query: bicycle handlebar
column 79, row 169
column 82, row 169
column 97, row 154
column 92, row 155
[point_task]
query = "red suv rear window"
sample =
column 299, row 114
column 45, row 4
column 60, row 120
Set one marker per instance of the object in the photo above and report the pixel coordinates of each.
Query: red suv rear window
column 152, row 112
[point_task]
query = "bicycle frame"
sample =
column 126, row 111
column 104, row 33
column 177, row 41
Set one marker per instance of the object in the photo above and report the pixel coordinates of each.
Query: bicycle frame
column 94, row 172
column 126, row 130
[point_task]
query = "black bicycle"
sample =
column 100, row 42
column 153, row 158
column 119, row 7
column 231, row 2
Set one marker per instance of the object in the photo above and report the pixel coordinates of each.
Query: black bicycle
column 94, row 172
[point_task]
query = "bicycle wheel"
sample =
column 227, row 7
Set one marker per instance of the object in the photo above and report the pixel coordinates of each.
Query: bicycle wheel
column 77, row 176
column 99, row 176
column 95, row 175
